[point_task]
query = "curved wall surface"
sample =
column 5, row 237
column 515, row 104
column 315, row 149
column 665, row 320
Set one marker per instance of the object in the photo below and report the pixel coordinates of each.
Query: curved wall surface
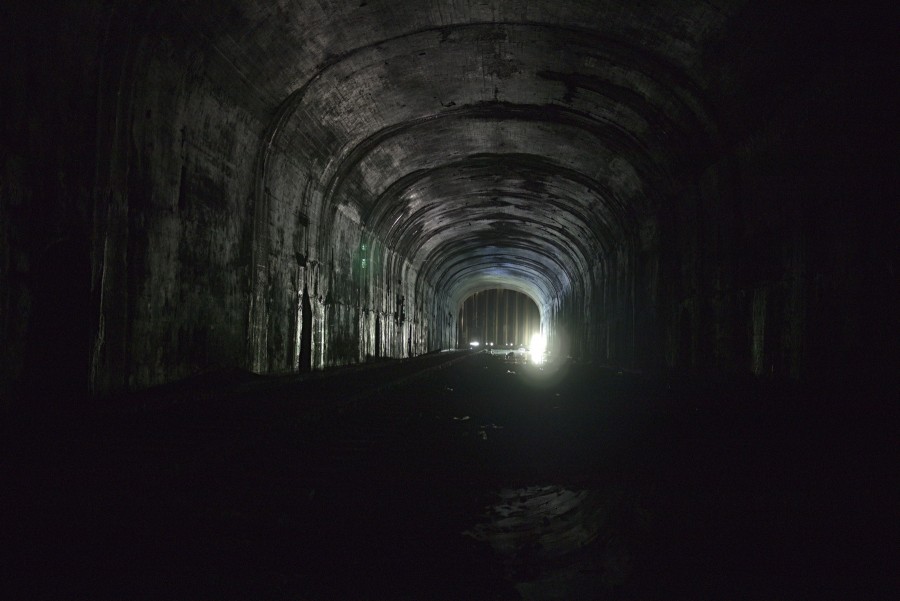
column 281, row 187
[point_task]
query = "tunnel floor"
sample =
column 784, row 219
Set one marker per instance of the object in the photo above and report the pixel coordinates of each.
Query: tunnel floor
column 449, row 477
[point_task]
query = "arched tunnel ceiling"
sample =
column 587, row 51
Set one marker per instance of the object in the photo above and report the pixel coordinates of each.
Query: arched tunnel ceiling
column 504, row 143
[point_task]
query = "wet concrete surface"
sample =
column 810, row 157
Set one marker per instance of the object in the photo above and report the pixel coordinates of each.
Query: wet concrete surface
column 454, row 477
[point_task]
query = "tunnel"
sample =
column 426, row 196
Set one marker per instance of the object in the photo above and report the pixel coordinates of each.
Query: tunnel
column 279, row 188
column 693, row 193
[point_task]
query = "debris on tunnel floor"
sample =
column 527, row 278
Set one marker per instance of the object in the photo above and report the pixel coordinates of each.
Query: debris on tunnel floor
column 271, row 273
column 622, row 494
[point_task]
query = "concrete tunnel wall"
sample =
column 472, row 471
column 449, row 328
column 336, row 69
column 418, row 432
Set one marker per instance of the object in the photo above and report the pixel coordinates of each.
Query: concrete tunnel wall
column 186, row 190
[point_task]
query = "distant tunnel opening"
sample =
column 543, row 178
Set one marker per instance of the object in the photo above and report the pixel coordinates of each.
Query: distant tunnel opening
column 498, row 317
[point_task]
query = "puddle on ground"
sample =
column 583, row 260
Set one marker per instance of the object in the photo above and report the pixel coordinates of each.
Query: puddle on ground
column 552, row 541
column 540, row 522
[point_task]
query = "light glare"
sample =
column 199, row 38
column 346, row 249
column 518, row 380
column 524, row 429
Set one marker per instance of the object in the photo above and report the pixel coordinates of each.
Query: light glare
column 538, row 346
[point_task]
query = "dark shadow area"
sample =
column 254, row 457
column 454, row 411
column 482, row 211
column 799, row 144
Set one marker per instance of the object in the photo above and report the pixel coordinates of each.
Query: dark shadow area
column 306, row 333
column 453, row 476
column 57, row 349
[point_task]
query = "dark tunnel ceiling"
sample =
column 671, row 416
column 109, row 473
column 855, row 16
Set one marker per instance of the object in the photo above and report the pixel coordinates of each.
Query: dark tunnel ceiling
column 509, row 144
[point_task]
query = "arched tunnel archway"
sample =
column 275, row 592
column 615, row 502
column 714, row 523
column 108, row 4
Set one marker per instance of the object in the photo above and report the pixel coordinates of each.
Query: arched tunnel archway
column 442, row 219
column 625, row 166
column 691, row 196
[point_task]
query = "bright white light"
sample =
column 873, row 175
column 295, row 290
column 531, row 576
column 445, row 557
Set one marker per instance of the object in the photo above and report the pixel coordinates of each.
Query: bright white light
column 473, row 344
column 538, row 346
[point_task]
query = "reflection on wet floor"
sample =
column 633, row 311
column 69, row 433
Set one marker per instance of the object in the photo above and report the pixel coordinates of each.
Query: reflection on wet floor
column 554, row 541
column 454, row 483
column 540, row 522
